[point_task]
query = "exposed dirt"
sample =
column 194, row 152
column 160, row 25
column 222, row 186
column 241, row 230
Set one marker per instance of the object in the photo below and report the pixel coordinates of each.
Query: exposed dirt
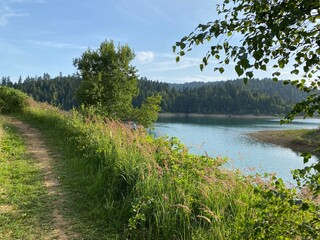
column 37, row 147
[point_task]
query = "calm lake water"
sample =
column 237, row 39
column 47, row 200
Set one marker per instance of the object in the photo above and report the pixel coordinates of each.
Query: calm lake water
column 227, row 137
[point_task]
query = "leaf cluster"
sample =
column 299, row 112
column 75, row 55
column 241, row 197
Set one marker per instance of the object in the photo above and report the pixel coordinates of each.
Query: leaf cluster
column 273, row 31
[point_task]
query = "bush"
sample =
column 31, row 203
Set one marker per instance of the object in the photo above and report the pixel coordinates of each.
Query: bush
column 12, row 100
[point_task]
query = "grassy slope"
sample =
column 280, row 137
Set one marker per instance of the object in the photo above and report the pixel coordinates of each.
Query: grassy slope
column 80, row 206
column 297, row 140
column 24, row 202
column 124, row 184
column 102, row 169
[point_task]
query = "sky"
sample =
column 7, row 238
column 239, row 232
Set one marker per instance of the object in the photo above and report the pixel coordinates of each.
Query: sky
column 44, row 36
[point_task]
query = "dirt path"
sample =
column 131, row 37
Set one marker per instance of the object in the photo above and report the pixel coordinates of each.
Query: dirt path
column 37, row 147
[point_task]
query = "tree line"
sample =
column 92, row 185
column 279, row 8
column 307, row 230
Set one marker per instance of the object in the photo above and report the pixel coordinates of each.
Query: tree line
column 260, row 97
column 59, row 91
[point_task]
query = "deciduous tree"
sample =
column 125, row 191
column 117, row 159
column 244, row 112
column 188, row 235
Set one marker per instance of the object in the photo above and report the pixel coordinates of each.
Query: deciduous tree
column 109, row 81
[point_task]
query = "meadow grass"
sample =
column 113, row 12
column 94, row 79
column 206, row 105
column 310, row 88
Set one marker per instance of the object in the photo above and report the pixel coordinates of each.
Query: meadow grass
column 24, row 202
column 126, row 184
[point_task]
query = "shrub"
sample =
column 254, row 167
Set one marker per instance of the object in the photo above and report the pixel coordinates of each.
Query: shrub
column 12, row 100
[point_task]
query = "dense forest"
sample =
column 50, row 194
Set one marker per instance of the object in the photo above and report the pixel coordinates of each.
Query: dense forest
column 260, row 97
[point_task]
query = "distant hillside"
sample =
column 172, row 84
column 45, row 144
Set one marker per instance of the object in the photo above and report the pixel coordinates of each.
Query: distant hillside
column 266, row 86
column 181, row 86
column 260, row 97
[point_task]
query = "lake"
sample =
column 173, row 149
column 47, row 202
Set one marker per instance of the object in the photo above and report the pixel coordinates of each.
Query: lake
column 227, row 137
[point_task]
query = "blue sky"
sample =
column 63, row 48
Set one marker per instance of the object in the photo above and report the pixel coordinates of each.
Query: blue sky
column 44, row 36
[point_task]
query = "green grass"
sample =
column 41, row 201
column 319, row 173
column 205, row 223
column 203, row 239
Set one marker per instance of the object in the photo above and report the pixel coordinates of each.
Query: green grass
column 124, row 184
column 24, row 202
column 82, row 205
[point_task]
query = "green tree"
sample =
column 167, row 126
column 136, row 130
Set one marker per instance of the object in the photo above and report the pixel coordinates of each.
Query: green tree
column 148, row 113
column 276, row 34
column 109, row 82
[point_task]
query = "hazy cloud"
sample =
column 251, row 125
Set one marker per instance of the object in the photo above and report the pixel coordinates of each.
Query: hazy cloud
column 25, row 1
column 61, row 45
column 169, row 64
column 7, row 11
column 145, row 57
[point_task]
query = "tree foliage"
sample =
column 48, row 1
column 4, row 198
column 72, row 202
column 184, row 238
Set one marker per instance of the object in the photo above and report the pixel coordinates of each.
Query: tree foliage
column 108, row 80
column 12, row 100
column 276, row 34
column 147, row 114
column 259, row 97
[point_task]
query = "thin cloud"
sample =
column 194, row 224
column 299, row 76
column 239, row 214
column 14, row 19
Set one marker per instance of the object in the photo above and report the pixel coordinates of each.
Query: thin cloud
column 60, row 45
column 7, row 11
column 170, row 64
column 145, row 57
column 25, row 1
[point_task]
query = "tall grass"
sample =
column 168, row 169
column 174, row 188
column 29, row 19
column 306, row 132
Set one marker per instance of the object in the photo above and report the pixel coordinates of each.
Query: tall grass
column 140, row 187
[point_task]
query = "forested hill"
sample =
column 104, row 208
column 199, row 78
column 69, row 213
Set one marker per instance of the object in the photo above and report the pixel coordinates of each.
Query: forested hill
column 262, row 97
column 224, row 97
column 266, row 86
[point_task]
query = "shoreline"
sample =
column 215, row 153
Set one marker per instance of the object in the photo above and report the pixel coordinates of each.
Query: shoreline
column 298, row 140
column 244, row 116
column 200, row 115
